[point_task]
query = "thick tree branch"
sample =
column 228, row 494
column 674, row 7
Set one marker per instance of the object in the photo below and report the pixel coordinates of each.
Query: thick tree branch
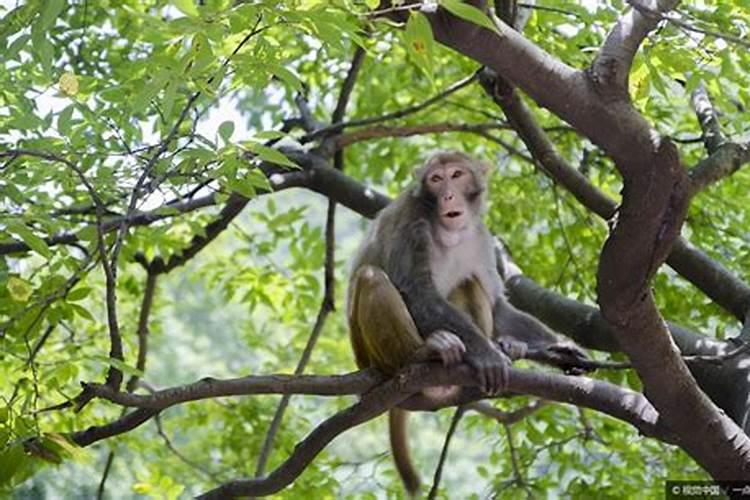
column 542, row 148
column 378, row 396
column 655, row 199
column 122, row 425
column 321, row 385
column 707, row 275
column 618, row 402
column 611, row 67
column 370, row 406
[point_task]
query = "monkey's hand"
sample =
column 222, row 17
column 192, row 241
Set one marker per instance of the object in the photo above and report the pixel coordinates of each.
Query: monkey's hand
column 447, row 345
column 491, row 365
column 565, row 355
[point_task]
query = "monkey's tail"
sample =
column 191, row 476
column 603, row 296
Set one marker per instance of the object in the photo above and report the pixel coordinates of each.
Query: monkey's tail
column 397, row 422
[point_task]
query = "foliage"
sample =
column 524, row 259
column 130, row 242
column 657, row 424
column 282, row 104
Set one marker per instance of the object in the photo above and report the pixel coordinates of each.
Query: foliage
column 119, row 109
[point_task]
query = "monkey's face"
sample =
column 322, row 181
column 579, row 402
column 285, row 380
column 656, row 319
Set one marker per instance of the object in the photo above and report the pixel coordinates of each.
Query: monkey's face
column 454, row 189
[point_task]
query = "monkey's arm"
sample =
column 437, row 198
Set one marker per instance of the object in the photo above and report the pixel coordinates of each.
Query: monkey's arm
column 409, row 270
column 523, row 336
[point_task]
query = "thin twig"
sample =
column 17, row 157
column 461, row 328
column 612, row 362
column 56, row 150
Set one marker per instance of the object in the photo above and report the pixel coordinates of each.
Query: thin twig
column 381, row 131
column 265, row 452
column 337, row 127
column 517, row 474
column 489, row 410
column 444, row 452
column 143, row 330
column 105, row 475
column 328, row 304
column 181, row 456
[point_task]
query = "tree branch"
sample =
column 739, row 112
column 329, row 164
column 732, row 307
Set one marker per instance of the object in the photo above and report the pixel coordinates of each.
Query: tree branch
column 338, row 127
column 603, row 396
column 725, row 160
column 707, row 118
column 457, row 414
column 611, row 67
column 709, row 276
column 655, row 199
column 506, row 418
column 576, row 390
column 326, row 307
column 122, row 425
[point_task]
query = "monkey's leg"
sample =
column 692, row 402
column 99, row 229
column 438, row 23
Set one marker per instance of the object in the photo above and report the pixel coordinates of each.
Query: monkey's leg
column 470, row 297
column 383, row 333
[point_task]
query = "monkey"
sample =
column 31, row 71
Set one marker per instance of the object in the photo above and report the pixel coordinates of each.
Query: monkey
column 425, row 279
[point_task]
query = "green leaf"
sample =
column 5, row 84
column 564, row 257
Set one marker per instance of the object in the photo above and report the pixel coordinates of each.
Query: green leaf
column 64, row 120
column 45, row 53
column 149, row 91
column 15, row 47
column 20, row 290
column 419, row 41
column 201, row 53
column 78, row 294
column 33, row 241
column 270, row 134
column 226, row 129
column 187, row 7
column 169, row 96
column 287, row 76
column 88, row 233
column 82, row 312
column 15, row 465
column 269, row 154
column 469, row 13
column 50, row 12
column 242, row 187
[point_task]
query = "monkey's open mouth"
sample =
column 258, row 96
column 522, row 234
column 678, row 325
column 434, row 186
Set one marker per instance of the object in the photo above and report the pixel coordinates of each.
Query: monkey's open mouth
column 453, row 214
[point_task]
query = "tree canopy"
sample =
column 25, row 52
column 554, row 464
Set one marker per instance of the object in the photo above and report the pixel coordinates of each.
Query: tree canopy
column 183, row 183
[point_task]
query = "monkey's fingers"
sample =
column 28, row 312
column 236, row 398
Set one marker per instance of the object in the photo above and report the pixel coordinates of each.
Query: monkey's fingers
column 446, row 356
column 482, row 380
column 454, row 352
column 500, row 369
column 492, row 380
column 458, row 351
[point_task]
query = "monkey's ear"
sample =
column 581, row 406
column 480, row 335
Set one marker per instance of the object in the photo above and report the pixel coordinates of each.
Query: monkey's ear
column 419, row 172
column 485, row 167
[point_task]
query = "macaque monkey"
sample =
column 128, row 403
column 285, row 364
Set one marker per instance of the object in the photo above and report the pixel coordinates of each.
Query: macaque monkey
column 425, row 279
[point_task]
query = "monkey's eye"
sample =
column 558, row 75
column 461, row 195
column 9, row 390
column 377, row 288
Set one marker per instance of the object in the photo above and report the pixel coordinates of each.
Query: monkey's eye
column 436, row 178
column 457, row 174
